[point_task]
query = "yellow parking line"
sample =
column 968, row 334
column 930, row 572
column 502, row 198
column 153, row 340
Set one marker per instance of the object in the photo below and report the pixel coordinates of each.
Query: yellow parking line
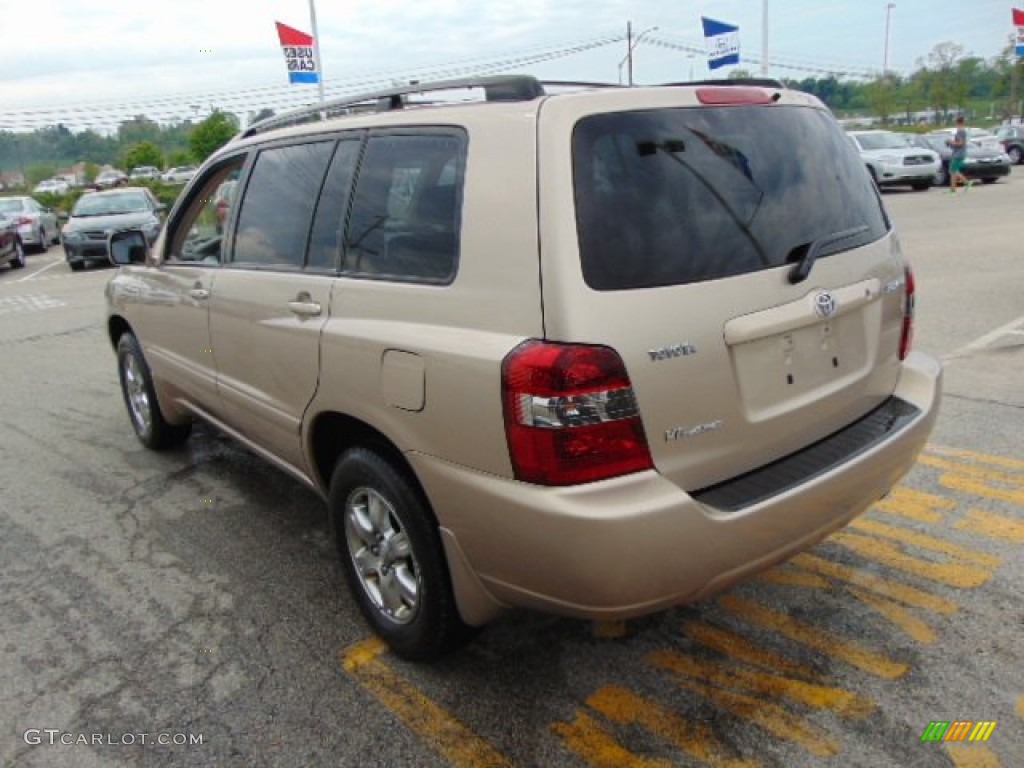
column 793, row 577
column 972, row 479
column 628, row 708
column 973, row 756
column 814, row 637
column 428, row 720
column 979, row 458
column 905, row 593
column 952, row 574
column 590, row 741
column 609, row 630
column 763, row 683
column 1020, row 706
column 917, row 505
column 989, row 524
column 739, row 648
column 898, row 615
column 768, row 715
column 924, row 541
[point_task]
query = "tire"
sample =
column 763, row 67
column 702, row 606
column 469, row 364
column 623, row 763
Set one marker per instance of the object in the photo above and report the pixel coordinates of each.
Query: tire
column 392, row 556
column 1016, row 155
column 921, row 185
column 76, row 266
column 989, row 181
column 942, row 176
column 18, row 262
column 43, row 242
column 148, row 421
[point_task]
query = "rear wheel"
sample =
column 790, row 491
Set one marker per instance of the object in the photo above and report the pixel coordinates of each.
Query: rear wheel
column 76, row 266
column 921, row 185
column 43, row 242
column 392, row 556
column 942, row 176
column 1015, row 155
column 19, row 255
column 148, row 421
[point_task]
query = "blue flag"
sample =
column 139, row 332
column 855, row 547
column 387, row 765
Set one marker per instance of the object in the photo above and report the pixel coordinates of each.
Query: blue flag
column 723, row 43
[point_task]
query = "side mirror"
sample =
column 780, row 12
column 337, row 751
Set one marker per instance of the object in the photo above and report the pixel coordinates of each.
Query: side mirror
column 128, row 246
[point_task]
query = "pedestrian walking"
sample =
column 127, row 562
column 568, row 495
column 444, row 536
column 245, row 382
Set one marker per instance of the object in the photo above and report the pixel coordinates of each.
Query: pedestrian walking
column 956, row 162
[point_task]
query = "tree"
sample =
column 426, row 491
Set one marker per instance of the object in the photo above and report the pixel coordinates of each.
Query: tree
column 179, row 157
column 143, row 153
column 943, row 87
column 881, row 96
column 37, row 172
column 212, row 133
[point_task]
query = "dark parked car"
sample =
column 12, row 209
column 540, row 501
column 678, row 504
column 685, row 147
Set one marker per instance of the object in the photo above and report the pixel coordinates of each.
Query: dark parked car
column 1012, row 138
column 11, row 250
column 97, row 214
column 983, row 164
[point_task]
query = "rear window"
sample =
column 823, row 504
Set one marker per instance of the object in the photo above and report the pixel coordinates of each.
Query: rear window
column 667, row 197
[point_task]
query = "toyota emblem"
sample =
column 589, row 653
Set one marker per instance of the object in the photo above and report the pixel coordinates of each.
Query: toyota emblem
column 825, row 304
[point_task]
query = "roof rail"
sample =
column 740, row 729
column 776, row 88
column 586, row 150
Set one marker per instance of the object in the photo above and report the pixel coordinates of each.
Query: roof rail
column 496, row 88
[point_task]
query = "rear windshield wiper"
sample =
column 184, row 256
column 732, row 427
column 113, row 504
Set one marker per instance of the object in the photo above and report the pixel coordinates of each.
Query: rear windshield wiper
column 800, row 272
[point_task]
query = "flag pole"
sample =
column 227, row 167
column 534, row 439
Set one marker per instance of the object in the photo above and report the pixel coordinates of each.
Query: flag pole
column 316, row 53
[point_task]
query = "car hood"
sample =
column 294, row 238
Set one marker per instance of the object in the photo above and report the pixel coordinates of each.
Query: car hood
column 111, row 222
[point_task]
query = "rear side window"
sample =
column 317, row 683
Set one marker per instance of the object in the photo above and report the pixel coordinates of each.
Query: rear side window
column 405, row 218
column 274, row 220
column 674, row 196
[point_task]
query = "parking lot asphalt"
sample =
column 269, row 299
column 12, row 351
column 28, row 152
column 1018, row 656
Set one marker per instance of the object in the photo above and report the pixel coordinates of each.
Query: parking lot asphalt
column 187, row 609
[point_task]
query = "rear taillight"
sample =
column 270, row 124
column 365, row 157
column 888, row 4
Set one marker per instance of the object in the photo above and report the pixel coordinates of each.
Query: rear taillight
column 570, row 414
column 907, row 336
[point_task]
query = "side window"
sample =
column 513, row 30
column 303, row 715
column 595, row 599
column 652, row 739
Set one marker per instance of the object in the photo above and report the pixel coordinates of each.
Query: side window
column 405, row 217
column 277, row 207
column 198, row 233
column 325, row 239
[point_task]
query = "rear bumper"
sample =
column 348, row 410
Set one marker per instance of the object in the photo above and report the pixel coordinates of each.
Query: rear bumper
column 638, row 544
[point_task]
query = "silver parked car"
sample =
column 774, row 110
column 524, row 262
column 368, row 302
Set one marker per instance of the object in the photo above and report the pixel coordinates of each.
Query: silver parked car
column 892, row 162
column 37, row 224
column 179, row 175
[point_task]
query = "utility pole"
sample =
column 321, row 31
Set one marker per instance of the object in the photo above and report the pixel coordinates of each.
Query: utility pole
column 885, row 56
column 764, row 38
column 629, row 51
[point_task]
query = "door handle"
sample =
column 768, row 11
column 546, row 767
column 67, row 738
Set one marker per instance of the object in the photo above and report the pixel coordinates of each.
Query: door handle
column 199, row 294
column 304, row 308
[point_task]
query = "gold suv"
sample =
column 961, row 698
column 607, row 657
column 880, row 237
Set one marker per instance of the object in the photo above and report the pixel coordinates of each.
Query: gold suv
column 591, row 351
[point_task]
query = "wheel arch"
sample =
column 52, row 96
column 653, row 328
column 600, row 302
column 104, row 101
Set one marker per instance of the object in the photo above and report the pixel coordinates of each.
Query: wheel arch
column 117, row 327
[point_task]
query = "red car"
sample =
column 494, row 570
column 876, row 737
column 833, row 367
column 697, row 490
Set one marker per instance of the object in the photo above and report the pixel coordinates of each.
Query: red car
column 11, row 251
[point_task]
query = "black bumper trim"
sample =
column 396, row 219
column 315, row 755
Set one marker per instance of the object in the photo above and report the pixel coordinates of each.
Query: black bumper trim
column 798, row 468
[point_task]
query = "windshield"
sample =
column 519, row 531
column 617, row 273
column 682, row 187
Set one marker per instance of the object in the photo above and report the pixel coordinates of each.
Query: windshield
column 10, row 206
column 881, row 141
column 666, row 197
column 108, row 205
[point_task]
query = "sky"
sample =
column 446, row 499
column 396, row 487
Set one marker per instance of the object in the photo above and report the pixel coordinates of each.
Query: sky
column 91, row 63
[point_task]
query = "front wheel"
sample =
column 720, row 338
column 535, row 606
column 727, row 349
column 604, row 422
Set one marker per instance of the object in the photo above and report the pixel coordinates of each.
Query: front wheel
column 942, row 177
column 921, row 185
column 392, row 556
column 19, row 255
column 148, row 421
column 1016, row 156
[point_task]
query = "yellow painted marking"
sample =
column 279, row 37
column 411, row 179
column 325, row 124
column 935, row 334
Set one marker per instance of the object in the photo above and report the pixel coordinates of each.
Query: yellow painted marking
column 982, row 731
column 924, row 541
column 769, row 715
column 610, row 630
column 951, row 574
column 918, row 598
column 628, row 708
column 972, row 479
column 792, row 577
column 989, row 524
column 739, row 648
column 978, row 458
column 973, row 756
column 813, row 695
column 428, row 720
column 814, row 637
column 598, row 748
column 917, row 505
column 898, row 615
column 1020, row 706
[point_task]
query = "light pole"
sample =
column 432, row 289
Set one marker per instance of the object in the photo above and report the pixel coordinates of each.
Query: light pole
column 631, row 43
column 885, row 57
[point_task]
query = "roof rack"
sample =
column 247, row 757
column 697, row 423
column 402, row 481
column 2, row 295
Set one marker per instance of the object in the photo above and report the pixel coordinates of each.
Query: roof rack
column 496, row 88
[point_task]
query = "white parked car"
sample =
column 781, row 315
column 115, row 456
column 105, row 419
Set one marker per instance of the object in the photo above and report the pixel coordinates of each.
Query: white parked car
column 891, row 162
column 37, row 224
column 52, row 186
column 180, row 174
column 979, row 137
column 144, row 172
